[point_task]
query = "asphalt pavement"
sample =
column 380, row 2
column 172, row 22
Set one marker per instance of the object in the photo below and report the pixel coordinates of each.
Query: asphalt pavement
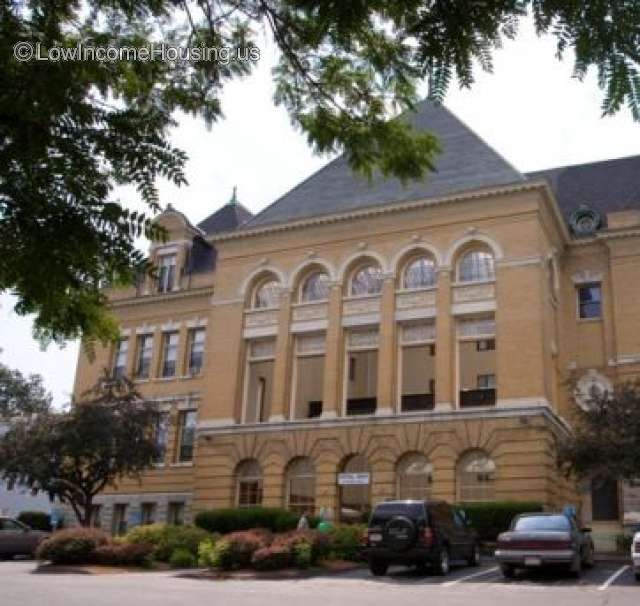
column 609, row 583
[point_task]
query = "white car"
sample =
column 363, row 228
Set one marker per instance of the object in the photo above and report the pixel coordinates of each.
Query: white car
column 635, row 555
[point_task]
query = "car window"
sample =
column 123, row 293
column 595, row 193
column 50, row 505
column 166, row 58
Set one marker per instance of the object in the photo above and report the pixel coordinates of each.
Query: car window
column 542, row 523
column 11, row 526
column 385, row 511
column 458, row 520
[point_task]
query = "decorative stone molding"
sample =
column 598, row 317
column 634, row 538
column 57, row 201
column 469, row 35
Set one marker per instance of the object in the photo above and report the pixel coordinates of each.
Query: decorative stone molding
column 475, row 292
column 314, row 311
column 477, row 327
column 363, row 338
column 254, row 318
column 591, row 384
column 411, row 299
column 439, row 415
column 586, row 275
column 417, row 333
column 362, row 305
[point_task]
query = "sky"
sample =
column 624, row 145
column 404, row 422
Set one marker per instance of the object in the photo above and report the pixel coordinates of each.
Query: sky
column 530, row 110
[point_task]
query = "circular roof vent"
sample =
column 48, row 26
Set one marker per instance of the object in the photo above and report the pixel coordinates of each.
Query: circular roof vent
column 585, row 221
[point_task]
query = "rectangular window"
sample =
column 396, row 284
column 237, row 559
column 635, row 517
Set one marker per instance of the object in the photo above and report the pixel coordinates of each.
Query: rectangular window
column 147, row 513
column 418, row 378
column 486, row 345
column 196, row 350
column 169, row 353
column 477, row 362
column 260, row 358
column 166, row 273
column 161, row 435
column 119, row 519
column 309, row 376
column 175, row 513
column 120, row 359
column 187, row 434
column 486, row 381
column 363, row 387
column 144, row 354
column 590, row 301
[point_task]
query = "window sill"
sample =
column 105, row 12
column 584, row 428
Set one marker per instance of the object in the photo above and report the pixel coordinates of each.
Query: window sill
column 589, row 320
column 476, row 283
column 139, row 381
column 182, row 464
column 411, row 291
column 373, row 297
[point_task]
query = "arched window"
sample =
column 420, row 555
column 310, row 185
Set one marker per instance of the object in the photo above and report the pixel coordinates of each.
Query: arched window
column 419, row 273
column 301, row 486
column 355, row 496
column 476, row 266
column 266, row 294
column 366, row 280
column 414, row 477
column 476, row 477
column 249, row 483
column 315, row 287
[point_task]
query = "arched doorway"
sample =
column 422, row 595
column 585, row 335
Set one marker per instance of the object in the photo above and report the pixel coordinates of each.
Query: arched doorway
column 354, row 483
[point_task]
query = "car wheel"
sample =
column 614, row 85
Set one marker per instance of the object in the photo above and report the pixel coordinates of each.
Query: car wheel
column 378, row 568
column 474, row 558
column 508, row 571
column 442, row 564
column 575, row 570
column 589, row 561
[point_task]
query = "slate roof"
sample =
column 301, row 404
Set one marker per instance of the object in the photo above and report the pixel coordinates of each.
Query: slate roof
column 607, row 186
column 465, row 163
column 231, row 216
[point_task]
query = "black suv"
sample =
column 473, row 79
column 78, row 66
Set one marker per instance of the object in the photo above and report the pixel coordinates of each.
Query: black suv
column 419, row 533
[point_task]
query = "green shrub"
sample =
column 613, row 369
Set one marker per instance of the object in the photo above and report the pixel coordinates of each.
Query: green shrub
column 38, row 520
column 216, row 555
column 123, row 554
column 207, row 554
column 182, row 558
column 490, row 519
column 224, row 521
column 303, row 554
column 346, row 542
column 72, row 546
column 275, row 557
column 165, row 539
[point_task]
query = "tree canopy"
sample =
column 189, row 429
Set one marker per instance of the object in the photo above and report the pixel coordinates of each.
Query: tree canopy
column 606, row 435
column 20, row 395
column 72, row 130
column 75, row 454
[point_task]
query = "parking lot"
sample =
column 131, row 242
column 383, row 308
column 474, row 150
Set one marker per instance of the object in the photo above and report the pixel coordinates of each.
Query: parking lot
column 608, row 583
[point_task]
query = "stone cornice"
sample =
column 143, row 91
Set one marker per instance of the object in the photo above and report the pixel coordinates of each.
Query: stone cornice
column 385, row 209
column 213, row 428
column 161, row 298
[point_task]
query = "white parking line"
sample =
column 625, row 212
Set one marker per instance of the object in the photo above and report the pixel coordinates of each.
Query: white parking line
column 470, row 576
column 612, row 578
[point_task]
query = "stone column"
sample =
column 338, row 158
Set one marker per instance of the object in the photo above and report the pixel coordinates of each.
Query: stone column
column 182, row 364
column 445, row 344
column 387, row 401
column 282, row 367
column 334, row 354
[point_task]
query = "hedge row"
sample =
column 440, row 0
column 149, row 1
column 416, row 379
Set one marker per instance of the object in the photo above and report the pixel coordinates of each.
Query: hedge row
column 224, row 521
column 490, row 519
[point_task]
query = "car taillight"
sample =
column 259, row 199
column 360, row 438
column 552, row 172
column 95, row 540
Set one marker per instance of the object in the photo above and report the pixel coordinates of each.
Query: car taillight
column 427, row 536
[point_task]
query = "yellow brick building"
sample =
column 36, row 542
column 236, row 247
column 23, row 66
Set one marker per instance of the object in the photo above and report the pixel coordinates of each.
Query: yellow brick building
column 363, row 340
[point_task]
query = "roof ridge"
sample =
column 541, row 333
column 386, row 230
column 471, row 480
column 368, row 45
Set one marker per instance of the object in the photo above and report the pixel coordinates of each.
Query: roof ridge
column 582, row 164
